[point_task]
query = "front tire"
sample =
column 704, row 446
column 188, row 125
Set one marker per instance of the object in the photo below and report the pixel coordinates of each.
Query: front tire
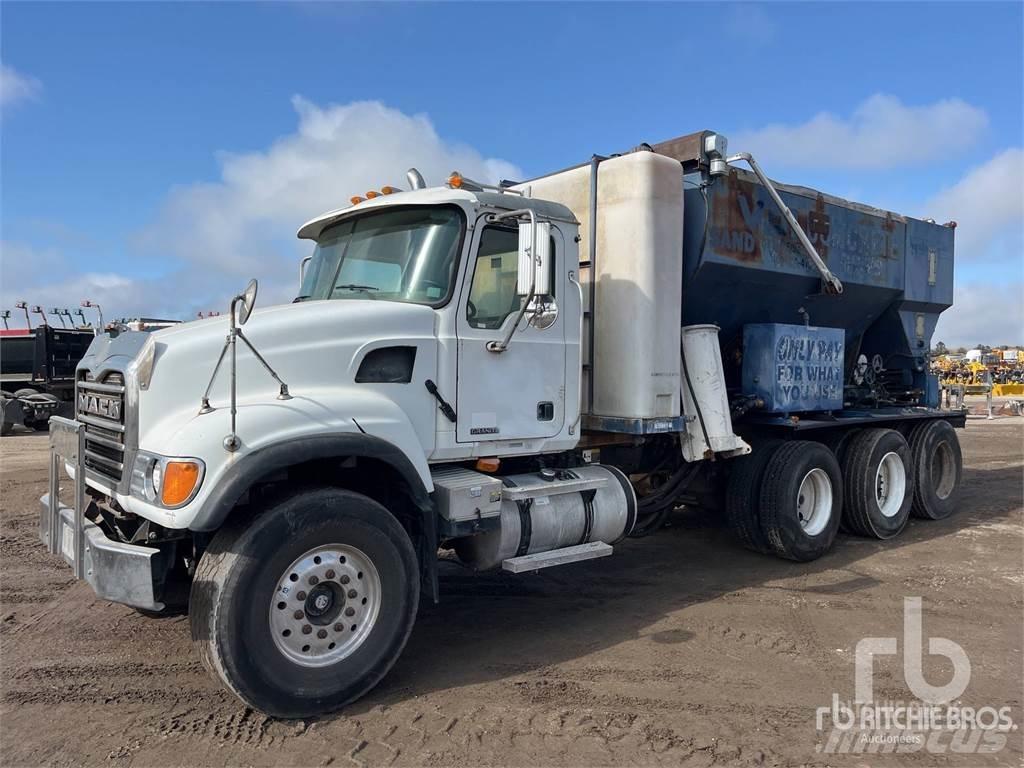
column 306, row 607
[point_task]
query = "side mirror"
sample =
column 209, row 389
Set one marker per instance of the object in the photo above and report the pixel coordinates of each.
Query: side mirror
column 248, row 299
column 534, row 259
column 302, row 271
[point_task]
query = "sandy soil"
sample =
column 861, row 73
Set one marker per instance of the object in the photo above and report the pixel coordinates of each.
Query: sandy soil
column 680, row 649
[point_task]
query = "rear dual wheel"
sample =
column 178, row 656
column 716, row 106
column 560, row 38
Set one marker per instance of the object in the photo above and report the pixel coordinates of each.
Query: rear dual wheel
column 786, row 499
column 938, row 467
column 306, row 607
column 878, row 478
column 801, row 500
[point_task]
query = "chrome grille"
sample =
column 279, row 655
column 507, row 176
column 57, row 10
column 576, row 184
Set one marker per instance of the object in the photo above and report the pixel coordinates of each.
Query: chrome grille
column 99, row 405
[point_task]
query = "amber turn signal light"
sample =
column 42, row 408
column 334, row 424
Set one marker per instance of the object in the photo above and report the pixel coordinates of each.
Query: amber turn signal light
column 489, row 464
column 179, row 481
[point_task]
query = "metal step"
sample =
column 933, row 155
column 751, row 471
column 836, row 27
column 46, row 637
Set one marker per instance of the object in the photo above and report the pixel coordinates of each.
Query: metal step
column 556, row 557
column 551, row 488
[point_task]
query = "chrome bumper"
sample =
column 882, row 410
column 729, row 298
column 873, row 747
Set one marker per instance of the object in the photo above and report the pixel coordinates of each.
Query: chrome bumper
column 119, row 572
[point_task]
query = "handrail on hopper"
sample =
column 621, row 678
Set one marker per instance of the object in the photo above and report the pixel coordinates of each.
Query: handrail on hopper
column 832, row 283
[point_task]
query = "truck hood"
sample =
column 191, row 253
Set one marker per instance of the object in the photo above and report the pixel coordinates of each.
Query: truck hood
column 313, row 346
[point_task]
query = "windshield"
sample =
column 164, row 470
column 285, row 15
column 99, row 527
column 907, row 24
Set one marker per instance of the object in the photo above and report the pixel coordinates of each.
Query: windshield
column 405, row 254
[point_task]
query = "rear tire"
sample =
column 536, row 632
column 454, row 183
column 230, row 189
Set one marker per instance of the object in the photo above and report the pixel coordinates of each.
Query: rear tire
column 837, row 443
column 307, row 606
column 938, row 468
column 878, row 483
column 801, row 500
column 742, row 495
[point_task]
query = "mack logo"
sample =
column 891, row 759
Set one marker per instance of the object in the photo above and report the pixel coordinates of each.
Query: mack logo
column 99, row 405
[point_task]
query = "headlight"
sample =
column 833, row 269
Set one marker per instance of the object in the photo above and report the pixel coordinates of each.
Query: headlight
column 144, row 365
column 156, row 477
column 167, row 482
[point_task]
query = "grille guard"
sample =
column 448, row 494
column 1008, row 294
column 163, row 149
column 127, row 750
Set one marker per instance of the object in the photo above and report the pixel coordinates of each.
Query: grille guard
column 67, row 443
column 131, row 574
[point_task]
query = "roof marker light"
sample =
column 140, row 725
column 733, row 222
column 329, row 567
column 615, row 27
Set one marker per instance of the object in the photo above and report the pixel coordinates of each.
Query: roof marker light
column 355, row 199
column 455, row 180
column 372, row 194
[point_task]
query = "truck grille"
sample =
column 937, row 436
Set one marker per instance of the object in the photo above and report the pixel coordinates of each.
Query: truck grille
column 99, row 405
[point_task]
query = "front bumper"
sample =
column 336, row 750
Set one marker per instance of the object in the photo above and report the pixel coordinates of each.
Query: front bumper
column 119, row 572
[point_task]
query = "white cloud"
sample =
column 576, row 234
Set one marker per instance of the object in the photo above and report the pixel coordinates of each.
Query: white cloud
column 16, row 87
column 988, row 206
column 882, row 132
column 984, row 313
column 44, row 276
column 209, row 237
column 336, row 152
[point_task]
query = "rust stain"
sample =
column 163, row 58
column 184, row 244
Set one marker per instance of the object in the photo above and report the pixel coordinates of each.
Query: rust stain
column 819, row 225
column 733, row 207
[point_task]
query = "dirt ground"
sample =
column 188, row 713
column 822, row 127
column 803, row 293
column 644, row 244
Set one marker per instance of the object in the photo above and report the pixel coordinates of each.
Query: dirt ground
column 680, row 649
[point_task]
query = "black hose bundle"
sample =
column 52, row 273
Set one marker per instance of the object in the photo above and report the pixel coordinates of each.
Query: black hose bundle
column 654, row 508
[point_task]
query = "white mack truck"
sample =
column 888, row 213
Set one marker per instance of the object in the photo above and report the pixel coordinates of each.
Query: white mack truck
column 526, row 374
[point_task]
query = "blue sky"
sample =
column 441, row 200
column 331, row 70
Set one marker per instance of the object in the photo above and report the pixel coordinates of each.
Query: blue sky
column 156, row 155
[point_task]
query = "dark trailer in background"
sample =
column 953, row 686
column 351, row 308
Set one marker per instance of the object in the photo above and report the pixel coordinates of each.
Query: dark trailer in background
column 37, row 373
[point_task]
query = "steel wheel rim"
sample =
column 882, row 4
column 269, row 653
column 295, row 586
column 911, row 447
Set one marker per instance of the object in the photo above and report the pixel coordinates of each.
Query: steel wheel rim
column 814, row 502
column 943, row 470
column 325, row 605
column 890, row 484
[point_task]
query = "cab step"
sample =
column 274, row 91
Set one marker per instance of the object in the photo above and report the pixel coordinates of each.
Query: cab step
column 553, row 557
column 543, row 488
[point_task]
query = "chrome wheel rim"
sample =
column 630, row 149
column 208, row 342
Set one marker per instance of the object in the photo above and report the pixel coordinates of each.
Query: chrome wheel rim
column 325, row 605
column 814, row 502
column 890, row 484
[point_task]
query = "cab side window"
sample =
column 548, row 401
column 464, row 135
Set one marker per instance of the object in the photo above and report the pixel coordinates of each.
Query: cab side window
column 492, row 296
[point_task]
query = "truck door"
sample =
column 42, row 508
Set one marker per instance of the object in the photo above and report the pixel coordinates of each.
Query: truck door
column 519, row 393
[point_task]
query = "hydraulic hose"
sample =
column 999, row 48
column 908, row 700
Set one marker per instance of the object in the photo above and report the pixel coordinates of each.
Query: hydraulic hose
column 654, row 508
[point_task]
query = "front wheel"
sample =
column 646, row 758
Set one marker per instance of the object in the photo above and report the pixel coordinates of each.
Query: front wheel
column 307, row 606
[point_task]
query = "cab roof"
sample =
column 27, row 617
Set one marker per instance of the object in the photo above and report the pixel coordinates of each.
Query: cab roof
column 546, row 209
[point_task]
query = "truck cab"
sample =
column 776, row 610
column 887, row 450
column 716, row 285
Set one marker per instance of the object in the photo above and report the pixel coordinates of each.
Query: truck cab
column 456, row 252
